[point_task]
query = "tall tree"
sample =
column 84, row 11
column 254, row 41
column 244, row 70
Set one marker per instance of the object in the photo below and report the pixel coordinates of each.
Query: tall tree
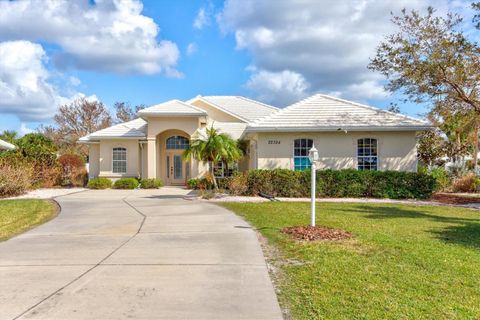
column 213, row 147
column 476, row 17
column 430, row 60
column 75, row 120
column 125, row 112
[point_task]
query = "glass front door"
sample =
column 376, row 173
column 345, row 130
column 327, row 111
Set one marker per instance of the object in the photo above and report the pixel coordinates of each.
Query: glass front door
column 175, row 168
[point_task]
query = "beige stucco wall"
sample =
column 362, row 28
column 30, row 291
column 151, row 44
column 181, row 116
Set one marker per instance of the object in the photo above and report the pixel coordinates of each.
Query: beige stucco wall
column 337, row 150
column 105, row 158
column 93, row 160
column 214, row 113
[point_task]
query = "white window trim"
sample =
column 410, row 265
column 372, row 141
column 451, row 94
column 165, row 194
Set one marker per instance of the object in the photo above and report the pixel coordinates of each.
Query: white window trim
column 126, row 163
column 378, row 151
column 293, row 148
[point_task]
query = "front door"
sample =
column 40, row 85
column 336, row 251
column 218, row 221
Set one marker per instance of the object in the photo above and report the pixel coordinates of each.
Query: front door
column 175, row 168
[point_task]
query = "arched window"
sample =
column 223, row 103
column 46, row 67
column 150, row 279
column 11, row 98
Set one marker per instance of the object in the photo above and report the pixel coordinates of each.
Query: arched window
column 367, row 154
column 119, row 160
column 301, row 147
column 177, row 142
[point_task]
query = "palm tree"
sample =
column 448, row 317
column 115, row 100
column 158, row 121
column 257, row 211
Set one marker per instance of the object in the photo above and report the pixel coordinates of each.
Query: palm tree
column 213, row 147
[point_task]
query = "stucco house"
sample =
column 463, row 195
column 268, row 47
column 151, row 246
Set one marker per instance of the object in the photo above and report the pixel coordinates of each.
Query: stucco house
column 4, row 145
column 347, row 135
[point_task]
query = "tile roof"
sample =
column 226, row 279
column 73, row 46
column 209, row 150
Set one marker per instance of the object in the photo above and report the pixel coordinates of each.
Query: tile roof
column 325, row 113
column 240, row 107
column 132, row 129
column 172, row 108
column 234, row 129
column 4, row 145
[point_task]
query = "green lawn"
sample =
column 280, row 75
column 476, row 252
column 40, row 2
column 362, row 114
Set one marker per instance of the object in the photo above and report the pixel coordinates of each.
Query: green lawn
column 17, row 216
column 405, row 262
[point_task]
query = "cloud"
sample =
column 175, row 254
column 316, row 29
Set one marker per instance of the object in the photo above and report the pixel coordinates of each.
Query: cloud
column 202, row 19
column 25, row 89
column 191, row 48
column 313, row 46
column 109, row 35
column 24, row 130
column 279, row 88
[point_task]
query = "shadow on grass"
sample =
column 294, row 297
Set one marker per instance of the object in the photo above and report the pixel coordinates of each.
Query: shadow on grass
column 463, row 231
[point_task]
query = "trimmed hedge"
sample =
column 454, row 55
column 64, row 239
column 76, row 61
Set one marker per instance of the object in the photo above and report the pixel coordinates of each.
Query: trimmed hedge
column 99, row 183
column 151, row 183
column 126, row 183
column 334, row 183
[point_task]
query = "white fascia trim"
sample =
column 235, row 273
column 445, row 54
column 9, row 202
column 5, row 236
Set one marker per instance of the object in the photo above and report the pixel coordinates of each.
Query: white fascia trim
column 334, row 129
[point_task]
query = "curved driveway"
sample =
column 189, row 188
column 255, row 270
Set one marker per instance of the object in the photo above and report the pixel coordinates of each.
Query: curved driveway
column 139, row 255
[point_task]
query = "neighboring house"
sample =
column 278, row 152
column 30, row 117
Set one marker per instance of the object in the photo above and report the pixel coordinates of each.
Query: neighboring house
column 4, row 145
column 347, row 135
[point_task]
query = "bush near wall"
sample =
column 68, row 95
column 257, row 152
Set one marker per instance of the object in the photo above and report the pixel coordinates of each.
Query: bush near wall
column 334, row 183
column 99, row 183
column 73, row 170
column 151, row 183
column 126, row 183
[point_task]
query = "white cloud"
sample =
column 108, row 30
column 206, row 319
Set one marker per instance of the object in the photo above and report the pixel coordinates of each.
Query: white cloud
column 191, row 48
column 24, row 130
column 110, row 35
column 202, row 19
column 24, row 82
column 278, row 88
column 74, row 81
column 325, row 44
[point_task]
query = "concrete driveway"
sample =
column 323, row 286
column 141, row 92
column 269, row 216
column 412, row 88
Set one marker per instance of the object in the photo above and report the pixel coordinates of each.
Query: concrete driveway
column 139, row 255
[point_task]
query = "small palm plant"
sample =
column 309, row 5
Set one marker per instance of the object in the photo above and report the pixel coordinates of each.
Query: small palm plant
column 213, row 147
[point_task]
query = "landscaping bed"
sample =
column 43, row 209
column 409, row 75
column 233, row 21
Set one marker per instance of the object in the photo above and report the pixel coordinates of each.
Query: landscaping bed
column 452, row 198
column 310, row 233
column 404, row 261
column 17, row 216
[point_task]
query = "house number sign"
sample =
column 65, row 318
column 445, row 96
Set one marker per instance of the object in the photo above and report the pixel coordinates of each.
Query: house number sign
column 273, row 141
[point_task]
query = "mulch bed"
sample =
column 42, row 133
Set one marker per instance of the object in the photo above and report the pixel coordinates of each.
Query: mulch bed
column 309, row 233
column 449, row 198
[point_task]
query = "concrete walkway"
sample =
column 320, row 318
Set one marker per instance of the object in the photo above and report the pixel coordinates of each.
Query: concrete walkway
column 139, row 255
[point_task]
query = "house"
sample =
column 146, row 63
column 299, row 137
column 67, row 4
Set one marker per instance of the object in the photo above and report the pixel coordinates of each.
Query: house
column 347, row 135
column 4, row 145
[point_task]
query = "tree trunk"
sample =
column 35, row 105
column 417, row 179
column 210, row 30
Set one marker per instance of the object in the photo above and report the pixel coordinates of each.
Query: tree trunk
column 475, row 148
column 210, row 168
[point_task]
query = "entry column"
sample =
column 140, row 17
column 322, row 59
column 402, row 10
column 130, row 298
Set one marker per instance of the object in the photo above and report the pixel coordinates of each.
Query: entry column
column 151, row 158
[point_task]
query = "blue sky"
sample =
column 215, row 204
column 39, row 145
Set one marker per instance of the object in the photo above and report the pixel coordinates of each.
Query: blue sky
column 152, row 51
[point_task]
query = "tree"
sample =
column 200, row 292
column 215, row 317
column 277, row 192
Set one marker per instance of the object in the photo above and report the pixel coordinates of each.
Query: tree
column 431, row 147
column 430, row 60
column 213, row 147
column 9, row 136
column 394, row 108
column 476, row 17
column 75, row 120
column 125, row 112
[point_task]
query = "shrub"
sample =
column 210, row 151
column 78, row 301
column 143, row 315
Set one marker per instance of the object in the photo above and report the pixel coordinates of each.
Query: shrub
column 467, row 183
column 73, row 170
column 442, row 179
column 236, row 184
column 126, row 183
column 14, row 181
column 99, row 183
column 199, row 183
column 151, row 183
column 334, row 183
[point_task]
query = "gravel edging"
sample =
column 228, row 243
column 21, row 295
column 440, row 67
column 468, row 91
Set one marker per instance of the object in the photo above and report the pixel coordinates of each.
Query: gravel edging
column 47, row 193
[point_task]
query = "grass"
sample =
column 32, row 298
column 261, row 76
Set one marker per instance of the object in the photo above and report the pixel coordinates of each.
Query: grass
column 17, row 216
column 405, row 261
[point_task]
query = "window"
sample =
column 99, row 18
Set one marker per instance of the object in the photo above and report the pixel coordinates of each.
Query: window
column 367, row 154
column 177, row 142
column 119, row 160
column 301, row 147
column 220, row 170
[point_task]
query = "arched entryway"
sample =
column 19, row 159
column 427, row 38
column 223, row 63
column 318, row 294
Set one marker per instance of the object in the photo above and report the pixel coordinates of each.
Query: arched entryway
column 172, row 168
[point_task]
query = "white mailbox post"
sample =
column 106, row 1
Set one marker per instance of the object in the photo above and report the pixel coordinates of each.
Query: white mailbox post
column 313, row 157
